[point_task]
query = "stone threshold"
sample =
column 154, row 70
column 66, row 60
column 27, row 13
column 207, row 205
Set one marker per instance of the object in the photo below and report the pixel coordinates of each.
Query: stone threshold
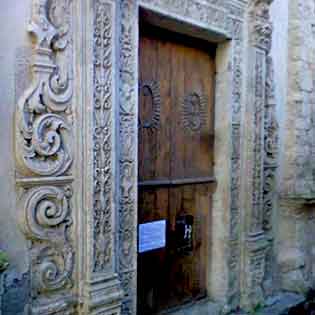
column 278, row 305
column 201, row 307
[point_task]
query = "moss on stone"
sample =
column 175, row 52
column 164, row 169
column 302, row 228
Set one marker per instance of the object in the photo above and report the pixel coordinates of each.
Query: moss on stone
column 4, row 261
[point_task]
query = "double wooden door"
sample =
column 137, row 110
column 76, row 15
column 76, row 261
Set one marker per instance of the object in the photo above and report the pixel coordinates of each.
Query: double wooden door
column 176, row 132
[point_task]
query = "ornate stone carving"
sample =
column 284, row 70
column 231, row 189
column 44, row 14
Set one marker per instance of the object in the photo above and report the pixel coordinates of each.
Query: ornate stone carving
column 43, row 148
column 257, row 247
column 270, row 171
column 237, row 32
column 102, row 136
column 127, row 157
column 102, row 291
column 46, row 213
column 264, row 154
column 210, row 14
column 44, row 110
column 128, row 279
column 256, row 239
column 46, row 221
column 259, row 103
column 194, row 111
column 261, row 26
column 270, row 148
column 235, row 227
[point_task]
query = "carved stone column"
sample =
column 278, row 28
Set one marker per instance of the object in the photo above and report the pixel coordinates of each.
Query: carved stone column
column 271, row 152
column 44, row 155
column 102, row 291
column 128, row 146
column 234, row 261
column 257, row 240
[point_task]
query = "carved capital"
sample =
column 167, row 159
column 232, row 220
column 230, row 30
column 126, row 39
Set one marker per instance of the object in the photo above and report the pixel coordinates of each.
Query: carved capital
column 260, row 25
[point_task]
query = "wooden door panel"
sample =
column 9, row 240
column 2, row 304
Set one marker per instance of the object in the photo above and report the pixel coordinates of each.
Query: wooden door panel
column 192, row 133
column 154, row 144
column 175, row 167
column 189, row 267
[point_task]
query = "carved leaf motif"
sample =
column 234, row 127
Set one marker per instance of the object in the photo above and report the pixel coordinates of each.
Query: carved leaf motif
column 126, row 181
column 58, row 15
column 102, row 137
column 261, row 26
column 271, row 149
column 58, row 92
column 45, row 150
column 40, row 26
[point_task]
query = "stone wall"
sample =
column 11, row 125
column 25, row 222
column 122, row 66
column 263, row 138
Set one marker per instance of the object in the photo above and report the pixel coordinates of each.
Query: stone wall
column 14, row 77
column 296, row 201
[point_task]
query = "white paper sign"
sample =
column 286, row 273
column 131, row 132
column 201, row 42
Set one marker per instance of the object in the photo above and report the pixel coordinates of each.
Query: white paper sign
column 152, row 235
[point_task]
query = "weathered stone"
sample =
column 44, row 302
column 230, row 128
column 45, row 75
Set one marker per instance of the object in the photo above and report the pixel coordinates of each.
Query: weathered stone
column 69, row 202
column 282, row 304
column 203, row 307
column 15, row 296
column 294, row 281
column 291, row 259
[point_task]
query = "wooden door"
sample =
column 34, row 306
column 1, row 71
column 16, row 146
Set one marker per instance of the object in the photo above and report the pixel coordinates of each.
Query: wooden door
column 176, row 132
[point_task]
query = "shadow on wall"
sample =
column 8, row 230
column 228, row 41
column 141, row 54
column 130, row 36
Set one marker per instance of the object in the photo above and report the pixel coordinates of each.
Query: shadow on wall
column 305, row 308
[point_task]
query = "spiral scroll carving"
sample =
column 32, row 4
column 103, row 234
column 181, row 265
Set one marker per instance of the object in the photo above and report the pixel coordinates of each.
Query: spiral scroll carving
column 54, row 268
column 47, row 213
column 44, row 155
column 44, row 111
column 46, row 221
column 45, row 151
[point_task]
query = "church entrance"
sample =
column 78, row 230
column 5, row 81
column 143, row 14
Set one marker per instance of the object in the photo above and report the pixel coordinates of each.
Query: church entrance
column 176, row 180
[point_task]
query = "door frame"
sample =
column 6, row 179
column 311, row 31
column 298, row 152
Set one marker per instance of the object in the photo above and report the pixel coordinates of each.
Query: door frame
column 227, row 31
column 96, row 272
